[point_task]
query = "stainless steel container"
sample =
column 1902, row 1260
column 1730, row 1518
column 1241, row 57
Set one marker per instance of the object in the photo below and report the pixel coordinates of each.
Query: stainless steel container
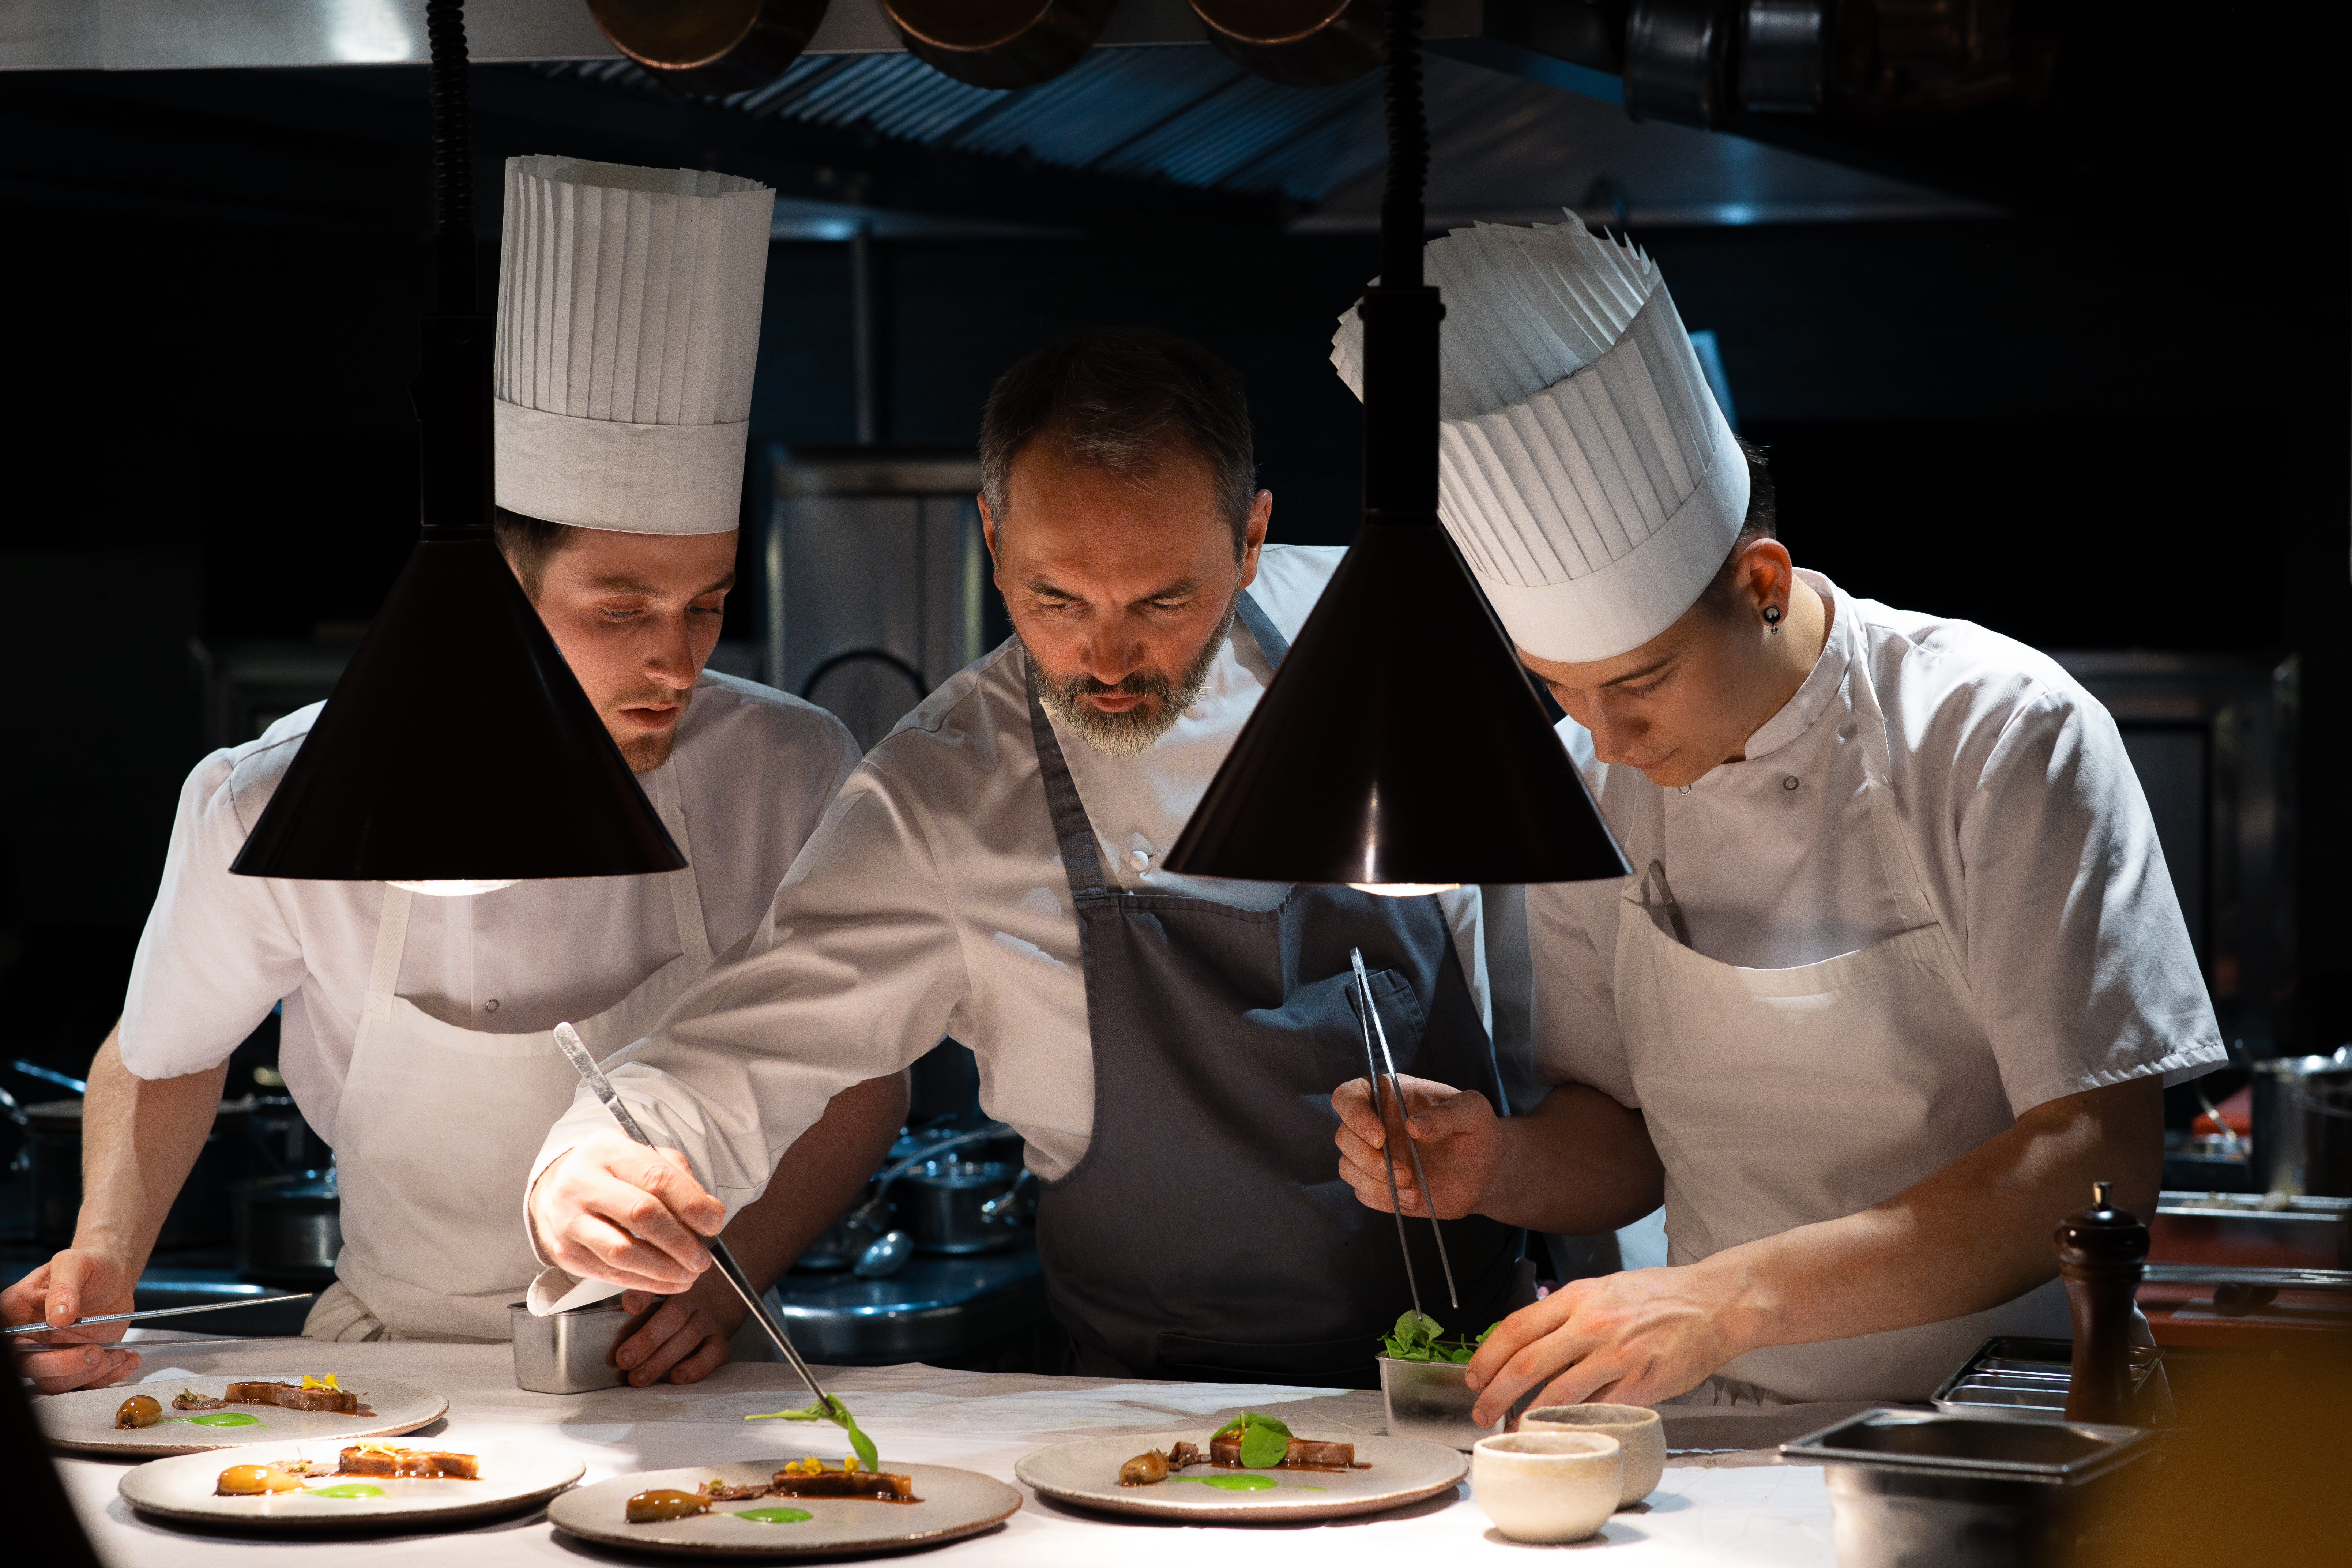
column 954, row 1206
column 2303, row 1125
column 288, row 1229
column 2016, row 1377
column 570, row 1353
column 1913, row 1488
column 1428, row 1400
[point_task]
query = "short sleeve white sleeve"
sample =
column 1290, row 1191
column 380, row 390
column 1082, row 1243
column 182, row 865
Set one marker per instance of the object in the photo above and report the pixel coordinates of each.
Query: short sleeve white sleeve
column 218, row 951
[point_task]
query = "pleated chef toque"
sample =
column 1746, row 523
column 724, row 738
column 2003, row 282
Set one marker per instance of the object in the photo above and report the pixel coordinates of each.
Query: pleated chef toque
column 1584, row 471
column 628, row 327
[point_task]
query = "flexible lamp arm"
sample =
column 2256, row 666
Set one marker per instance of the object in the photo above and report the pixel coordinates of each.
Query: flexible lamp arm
column 1400, row 314
column 452, row 390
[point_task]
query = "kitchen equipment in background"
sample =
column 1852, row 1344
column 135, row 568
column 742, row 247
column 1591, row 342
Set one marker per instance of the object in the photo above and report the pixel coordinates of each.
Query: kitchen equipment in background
column 199, row 1215
column 1006, row 45
column 716, row 46
column 288, row 1229
column 250, row 684
column 2303, row 1125
column 2019, row 1378
column 2252, row 1230
column 1320, row 43
column 944, row 1310
column 877, row 578
column 570, row 1352
column 1910, row 1487
column 946, row 1205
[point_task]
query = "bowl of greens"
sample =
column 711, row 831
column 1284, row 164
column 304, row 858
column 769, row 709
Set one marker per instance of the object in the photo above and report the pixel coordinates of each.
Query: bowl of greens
column 1421, row 1385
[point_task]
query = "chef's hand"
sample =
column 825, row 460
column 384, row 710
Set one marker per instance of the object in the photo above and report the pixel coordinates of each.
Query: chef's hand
column 1634, row 1337
column 686, row 1338
column 610, row 1208
column 79, row 1282
column 1459, row 1135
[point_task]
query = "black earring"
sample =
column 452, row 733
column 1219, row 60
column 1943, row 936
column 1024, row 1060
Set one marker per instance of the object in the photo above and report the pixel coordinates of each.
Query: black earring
column 1772, row 619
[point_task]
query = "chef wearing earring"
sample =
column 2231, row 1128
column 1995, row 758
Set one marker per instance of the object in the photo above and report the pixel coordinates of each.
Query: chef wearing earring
column 1901, row 971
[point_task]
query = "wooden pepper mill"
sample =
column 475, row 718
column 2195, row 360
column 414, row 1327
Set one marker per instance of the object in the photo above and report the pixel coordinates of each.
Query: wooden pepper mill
column 2102, row 1254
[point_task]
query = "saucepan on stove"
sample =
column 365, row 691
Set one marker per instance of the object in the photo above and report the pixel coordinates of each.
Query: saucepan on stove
column 933, row 1197
column 2303, row 1125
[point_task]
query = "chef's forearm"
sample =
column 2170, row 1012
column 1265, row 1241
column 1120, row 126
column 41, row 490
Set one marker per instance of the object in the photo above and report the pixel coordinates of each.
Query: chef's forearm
column 1967, row 1238
column 1578, row 1164
column 818, row 1177
column 139, row 1137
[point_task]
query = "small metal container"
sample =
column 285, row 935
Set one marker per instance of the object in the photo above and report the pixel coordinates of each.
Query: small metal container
column 1428, row 1400
column 1915, row 1488
column 570, row 1353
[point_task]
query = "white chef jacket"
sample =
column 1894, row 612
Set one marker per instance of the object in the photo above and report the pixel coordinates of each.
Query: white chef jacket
column 754, row 770
column 2021, row 811
column 932, row 902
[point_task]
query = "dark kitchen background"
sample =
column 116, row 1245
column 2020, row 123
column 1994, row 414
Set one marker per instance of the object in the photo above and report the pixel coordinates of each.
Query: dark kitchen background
column 2042, row 318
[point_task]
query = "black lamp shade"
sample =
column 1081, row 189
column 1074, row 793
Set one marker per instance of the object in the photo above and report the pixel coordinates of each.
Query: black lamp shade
column 1400, row 742
column 458, row 746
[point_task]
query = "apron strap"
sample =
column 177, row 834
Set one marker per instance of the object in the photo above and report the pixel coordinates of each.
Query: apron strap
column 1270, row 642
column 1072, row 831
column 390, row 943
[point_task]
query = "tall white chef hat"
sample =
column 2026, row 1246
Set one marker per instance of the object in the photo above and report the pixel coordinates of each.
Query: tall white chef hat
column 1584, row 471
column 628, row 327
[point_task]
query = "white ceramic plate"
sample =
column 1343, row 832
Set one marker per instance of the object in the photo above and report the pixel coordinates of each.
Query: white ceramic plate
column 955, row 1502
column 183, row 1487
column 82, row 1422
column 1402, row 1471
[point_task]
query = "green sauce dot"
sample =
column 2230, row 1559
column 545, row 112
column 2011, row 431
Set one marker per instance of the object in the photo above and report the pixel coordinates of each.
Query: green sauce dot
column 776, row 1515
column 1230, row 1483
column 347, row 1489
column 227, row 1418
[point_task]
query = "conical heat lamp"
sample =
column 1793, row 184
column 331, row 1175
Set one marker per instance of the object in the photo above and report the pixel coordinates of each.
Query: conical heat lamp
column 1401, row 747
column 457, row 749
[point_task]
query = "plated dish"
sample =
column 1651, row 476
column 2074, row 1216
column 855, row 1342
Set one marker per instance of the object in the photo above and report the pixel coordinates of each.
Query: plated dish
column 366, row 1484
column 194, row 1414
column 1376, row 1474
column 757, row 1509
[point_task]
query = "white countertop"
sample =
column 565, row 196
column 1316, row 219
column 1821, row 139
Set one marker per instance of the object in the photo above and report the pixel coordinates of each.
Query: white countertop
column 1739, row 1507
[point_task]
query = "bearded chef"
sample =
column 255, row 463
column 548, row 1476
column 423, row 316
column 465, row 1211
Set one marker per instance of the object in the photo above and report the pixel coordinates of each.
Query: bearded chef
column 1166, row 1044
column 1899, row 972
column 416, row 1029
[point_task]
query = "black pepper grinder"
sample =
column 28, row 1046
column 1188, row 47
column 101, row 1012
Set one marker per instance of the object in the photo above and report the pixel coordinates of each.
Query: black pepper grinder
column 2102, row 1252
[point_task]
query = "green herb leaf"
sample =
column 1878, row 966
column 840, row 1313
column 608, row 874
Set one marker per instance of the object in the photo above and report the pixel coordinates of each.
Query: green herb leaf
column 1264, row 1445
column 838, row 1414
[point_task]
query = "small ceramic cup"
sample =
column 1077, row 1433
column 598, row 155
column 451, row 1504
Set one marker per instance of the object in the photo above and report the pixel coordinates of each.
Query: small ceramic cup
column 1548, row 1487
column 1639, row 1431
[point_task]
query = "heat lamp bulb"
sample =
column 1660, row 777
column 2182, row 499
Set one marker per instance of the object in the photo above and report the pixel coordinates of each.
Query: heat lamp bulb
column 454, row 889
column 1403, row 889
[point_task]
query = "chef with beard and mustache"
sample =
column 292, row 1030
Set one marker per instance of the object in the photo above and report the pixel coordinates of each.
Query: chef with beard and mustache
column 417, row 1030
column 1167, row 1045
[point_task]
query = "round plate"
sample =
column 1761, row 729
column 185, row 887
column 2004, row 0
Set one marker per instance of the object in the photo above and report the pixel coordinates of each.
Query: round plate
column 183, row 1487
column 1402, row 1471
column 955, row 1502
column 82, row 1422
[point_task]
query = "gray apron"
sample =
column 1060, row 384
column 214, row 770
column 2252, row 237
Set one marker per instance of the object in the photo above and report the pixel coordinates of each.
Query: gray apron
column 1206, row 1235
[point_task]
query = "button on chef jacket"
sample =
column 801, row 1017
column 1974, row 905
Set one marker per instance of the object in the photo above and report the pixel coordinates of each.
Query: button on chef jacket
column 754, row 769
column 2020, row 809
column 932, row 902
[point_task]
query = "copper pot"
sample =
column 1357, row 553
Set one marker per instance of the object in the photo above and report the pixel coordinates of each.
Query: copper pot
column 1298, row 43
column 711, row 46
column 1002, row 44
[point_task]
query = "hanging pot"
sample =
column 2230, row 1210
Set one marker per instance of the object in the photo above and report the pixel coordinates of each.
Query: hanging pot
column 1298, row 43
column 2303, row 1125
column 1003, row 44
column 711, row 46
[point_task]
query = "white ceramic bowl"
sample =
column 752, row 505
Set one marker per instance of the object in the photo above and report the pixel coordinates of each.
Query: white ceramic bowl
column 1636, row 1428
column 1548, row 1487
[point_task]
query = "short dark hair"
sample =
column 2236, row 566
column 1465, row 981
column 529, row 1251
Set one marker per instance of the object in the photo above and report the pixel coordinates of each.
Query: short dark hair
column 529, row 543
column 1118, row 398
column 1763, row 521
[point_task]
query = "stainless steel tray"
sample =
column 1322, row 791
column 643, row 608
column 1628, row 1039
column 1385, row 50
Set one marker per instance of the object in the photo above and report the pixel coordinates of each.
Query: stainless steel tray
column 1973, row 1446
column 2012, row 1377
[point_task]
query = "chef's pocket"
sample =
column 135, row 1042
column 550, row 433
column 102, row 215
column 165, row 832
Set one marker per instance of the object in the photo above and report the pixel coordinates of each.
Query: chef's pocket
column 1326, row 1363
column 1400, row 1012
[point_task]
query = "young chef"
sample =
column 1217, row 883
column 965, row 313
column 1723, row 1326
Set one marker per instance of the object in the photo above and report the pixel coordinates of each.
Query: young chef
column 1899, row 972
column 416, row 1030
column 992, row 872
